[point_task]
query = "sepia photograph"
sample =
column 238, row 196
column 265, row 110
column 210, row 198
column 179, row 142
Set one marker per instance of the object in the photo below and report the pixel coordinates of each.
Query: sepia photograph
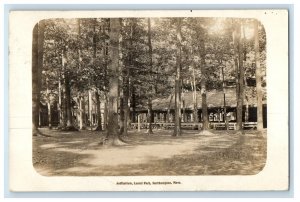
column 149, row 96
column 152, row 100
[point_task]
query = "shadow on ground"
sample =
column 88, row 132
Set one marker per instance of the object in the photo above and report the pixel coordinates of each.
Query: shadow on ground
column 193, row 153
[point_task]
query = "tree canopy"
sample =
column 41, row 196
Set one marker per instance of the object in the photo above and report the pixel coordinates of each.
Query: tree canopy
column 156, row 58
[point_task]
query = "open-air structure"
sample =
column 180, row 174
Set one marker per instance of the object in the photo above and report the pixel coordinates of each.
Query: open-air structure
column 163, row 111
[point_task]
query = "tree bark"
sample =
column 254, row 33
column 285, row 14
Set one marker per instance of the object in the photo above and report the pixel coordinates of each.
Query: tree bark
column 258, row 78
column 48, row 104
column 105, row 112
column 105, row 60
column 133, row 104
column 125, row 103
column 122, row 115
column 62, row 93
column 238, row 55
column 240, row 76
column 224, row 98
column 203, row 86
column 61, row 105
column 151, row 87
column 113, row 134
column 139, row 123
column 67, row 108
column 195, row 112
column 68, row 101
column 49, row 115
column 149, row 116
column 35, row 81
column 90, row 109
column 81, row 113
column 169, row 109
column 184, row 117
column 37, row 55
column 70, row 125
column 79, row 42
column 97, row 96
column 99, row 120
column 81, row 98
column 177, row 128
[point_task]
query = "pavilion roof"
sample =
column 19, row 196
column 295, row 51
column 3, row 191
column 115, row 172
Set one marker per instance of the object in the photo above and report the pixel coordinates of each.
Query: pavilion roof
column 215, row 99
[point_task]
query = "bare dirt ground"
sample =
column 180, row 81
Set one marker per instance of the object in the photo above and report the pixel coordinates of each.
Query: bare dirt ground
column 194, row 153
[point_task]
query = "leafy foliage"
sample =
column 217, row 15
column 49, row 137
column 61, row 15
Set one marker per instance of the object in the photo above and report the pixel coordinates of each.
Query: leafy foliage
column 78, row 48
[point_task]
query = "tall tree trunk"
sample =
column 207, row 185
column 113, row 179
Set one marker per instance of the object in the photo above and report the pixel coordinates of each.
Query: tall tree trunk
column 151, row 87
column 68, row 101
column 169, row 109
column 68, row 117
column 224, row 97
column 149, row 116
column 70, row 125
column 195, row 112
column 37, row 65
column 133, row 104
column 99, row 120
column 240, row 76
column 94, row 40
column 238, row 61
column 81, row 113
column 48, row 104
column 49, row 115
column 90, row 109
column 184, row 118
column 258, row 78
column 97, row 96
column 125, row 102
column 91, row 103
column 121, row 115
column 105, row 86
column 245, row 97
column 203, row 86
column 81, row 98
column 113, row 135
column 177, row 128
column 236, row 65
column 79, row 42
column 61, row 105
column 105, row 112
column 246, row 103
column 35, row 81
column 62, row 89
column 124, row 105
column 105, row 95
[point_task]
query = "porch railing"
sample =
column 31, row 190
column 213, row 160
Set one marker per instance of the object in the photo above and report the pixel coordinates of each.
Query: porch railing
column 195, row 126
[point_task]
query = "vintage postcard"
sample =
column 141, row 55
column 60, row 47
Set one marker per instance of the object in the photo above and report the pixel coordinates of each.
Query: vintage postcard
column 190, row 100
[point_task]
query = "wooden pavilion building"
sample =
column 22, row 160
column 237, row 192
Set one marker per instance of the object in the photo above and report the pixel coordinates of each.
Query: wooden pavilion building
column 163, row 108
